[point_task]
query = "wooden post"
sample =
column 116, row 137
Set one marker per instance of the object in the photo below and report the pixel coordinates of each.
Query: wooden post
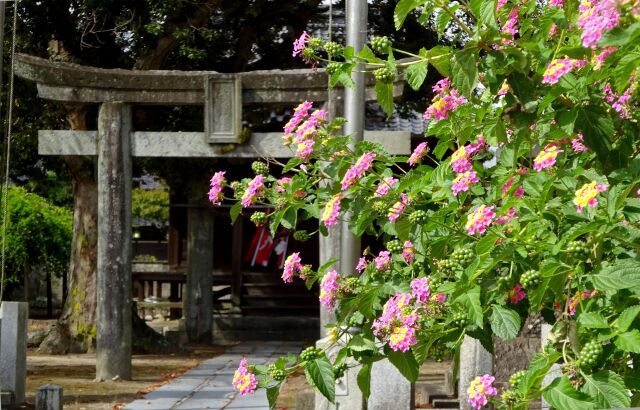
column 198, row 298
column 113, row 341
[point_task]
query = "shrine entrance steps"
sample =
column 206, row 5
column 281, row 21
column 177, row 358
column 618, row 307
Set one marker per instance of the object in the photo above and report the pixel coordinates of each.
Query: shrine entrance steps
column 229, row 328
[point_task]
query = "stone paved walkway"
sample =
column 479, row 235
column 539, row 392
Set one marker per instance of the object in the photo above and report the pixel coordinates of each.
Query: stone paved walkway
column 208, row 386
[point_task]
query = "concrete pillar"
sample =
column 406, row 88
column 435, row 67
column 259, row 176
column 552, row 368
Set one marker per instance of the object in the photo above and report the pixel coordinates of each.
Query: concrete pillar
column 389, row 388
column 348, row 394
column 198, row 297
column 474, row 361
column 113, row 341
column 13, row 348
column 554, row 372
column 49, row 397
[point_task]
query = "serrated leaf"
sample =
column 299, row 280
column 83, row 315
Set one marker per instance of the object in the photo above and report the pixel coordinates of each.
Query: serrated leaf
column 440, row 58
column 471, row 302
column 629, row 341
column 416, row 73
column 624, row 274
column 272, row 395
column 597, row 128
column 538, row 369
column 442, row 21
column 592, row 320
column 360, row 344
column 464, row 72
column 405, row 362
column 626, row 318
column 402, row 10
column 561, row 395
column 608, row 389
column 484, row 245
column 384, row 96
column 566, row 120
column 364, row 379
column 486, row 11
column 319, row 373
column 505, row 323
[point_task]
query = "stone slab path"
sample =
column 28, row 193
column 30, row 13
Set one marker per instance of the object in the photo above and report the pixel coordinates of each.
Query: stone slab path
column 208, row 386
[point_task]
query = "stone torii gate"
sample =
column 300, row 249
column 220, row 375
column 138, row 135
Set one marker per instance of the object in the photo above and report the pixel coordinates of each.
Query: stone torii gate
column 115, row 143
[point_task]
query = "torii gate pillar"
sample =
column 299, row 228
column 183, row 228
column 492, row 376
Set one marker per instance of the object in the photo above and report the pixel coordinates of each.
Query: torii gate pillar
column 113, row 340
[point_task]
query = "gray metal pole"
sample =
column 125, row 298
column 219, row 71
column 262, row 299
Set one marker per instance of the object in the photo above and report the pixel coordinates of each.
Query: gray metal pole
column 356, row 14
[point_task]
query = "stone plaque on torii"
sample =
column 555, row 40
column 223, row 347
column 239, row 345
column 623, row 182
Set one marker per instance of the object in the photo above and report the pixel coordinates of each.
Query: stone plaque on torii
column 115, row 143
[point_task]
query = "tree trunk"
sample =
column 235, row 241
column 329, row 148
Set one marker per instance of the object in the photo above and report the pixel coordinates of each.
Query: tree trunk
column 76, row 328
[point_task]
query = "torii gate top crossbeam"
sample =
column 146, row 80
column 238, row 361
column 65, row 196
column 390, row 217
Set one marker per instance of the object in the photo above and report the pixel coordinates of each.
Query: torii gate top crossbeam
column 67, row 82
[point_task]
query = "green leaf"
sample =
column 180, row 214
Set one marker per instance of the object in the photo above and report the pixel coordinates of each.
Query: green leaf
column 561, row 395
column 364, row 379
column 289, row 218
column 440, row 58
column 319, row 373
column 384, row 95
column 626, row 318
column 629, row 341
column 464, row 72
column 505, row 323
column 566, row 120
column 360, row 344
column 538, row 369
column 620, row 37
column 624, row 274
column 272, row 395
column 597, row 128
column 486, row 11
column 402, row 10
column 236, row 209
column 416, row 73
column 592, row 320
column 608, row 389
column 484, row 245
column 471, row 302
column 405, row 362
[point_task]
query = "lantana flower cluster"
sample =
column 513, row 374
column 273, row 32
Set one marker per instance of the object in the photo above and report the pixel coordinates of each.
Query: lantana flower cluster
column 587, row 195
column 217, row 187
column 244, row 381
column 302, row 129
column 481, row 390
column 329, row 288
column 446, row 101
column 559, row 67
column 596, row 18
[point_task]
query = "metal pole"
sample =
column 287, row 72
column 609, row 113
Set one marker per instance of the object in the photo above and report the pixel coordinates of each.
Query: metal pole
column 356, row 15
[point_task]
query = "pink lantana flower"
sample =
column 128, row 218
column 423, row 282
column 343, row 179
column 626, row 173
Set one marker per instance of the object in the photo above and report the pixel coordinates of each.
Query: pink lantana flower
column 383, row 260
column 517, row 294
column 445, row 102
column 254, row 189
column 596, row 18
column 300, row 43
column 357, row 171
column 328, row 289
column 408, row 252
column 462, row 183
column 599, row 59
column 418, row 153
column 362, row 264
column 546, row 158
column 280, row 184
column 331, row 211
column 577, row 145
column 398, row 208
column 397, row 323
column 460, row 161
column 586, row 195
column 217, row 186
column 479, row 219
column 384, row 186
column 244, row 381
column 420, row 289
column 559, row 67
column 480, row 390
column 292, row 266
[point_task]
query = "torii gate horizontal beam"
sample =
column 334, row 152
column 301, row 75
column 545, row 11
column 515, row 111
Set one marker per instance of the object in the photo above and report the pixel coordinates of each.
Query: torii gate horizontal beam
column 68, row 82
column 193, row 144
